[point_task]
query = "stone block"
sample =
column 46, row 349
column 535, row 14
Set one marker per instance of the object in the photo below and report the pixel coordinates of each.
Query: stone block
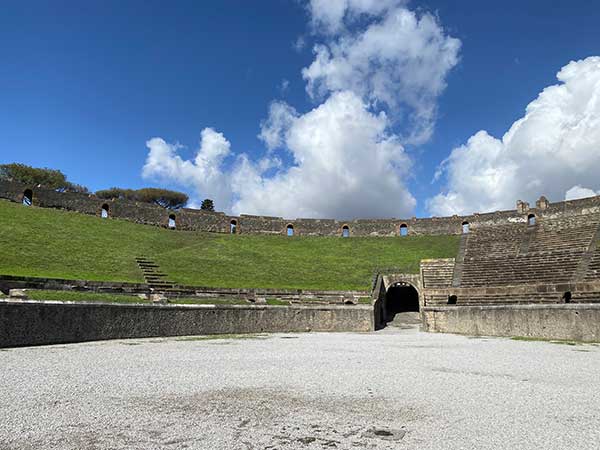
column 158, row 298
column 18, row 294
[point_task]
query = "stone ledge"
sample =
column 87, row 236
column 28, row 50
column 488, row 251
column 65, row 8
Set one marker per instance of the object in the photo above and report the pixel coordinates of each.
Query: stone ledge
column 183, row 306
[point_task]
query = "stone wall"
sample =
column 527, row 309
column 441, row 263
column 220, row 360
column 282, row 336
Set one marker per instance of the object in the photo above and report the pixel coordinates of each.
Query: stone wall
column 567, row 322
column 8, row 282
column 197, row 220
column 40, row 323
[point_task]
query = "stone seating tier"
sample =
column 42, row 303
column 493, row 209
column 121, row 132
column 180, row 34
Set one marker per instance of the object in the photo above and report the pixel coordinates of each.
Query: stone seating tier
column 550, row 251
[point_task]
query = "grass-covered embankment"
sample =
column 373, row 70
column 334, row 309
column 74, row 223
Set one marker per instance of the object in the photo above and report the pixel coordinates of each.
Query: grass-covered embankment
column 59, row 244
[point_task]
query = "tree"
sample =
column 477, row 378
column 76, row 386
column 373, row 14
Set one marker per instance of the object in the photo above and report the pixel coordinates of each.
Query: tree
column 35, row 176
column 117, row 193
column 21, row 173
column 77, row 188
column 207, row 205
column 162, row 197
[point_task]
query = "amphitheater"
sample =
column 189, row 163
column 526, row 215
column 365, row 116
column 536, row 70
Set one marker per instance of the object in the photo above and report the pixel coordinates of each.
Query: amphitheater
column 409, row 355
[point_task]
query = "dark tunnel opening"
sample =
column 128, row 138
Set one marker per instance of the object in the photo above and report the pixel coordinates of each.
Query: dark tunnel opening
column 400, row 298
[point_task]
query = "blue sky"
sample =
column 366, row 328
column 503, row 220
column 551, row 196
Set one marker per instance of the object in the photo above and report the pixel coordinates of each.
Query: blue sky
column 85, row 85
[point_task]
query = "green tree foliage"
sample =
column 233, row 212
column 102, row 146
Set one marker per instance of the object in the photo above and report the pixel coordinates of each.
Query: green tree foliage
column 35, row 176
column 207, row 205
column 78, row 188
column 117, row 193
column 162, row 197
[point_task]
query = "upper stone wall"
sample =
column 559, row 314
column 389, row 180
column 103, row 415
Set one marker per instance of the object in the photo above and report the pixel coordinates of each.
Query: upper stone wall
column 197, row 220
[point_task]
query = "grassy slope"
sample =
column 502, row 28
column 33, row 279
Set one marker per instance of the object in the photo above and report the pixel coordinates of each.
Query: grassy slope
column 51, row 243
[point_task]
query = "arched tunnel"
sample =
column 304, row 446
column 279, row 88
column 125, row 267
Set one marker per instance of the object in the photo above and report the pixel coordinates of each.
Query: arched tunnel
column 400, row 298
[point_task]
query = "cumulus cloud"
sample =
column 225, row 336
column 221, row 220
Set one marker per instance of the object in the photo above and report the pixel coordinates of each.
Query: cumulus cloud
column 346, row 165
column 377, row 73
column 204, row 173
column 399, row 60
column 553, row 150
column 331, row 16
column 273, row 129
column 580, row 192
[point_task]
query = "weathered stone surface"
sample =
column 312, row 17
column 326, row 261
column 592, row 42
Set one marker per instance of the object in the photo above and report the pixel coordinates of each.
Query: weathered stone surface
column 37, row 323
column 18, row 293
column 8, row 282
column 387, row 434
column 158, row 298
column 566, row 322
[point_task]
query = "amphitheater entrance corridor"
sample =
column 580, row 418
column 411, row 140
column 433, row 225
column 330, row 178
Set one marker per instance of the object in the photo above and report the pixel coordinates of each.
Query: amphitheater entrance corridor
column 401, row 303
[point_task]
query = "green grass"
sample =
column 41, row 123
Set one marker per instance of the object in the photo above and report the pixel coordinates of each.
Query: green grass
column 59, row 244
column 74, row 296
column 277, row 302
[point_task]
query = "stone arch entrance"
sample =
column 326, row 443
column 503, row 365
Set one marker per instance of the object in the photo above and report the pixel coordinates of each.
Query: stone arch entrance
column 401, row 297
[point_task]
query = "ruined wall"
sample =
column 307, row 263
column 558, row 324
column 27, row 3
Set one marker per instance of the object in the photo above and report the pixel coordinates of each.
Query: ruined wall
column 568, row 322
column 40, row 323
column 197, row 220
column 8, row 282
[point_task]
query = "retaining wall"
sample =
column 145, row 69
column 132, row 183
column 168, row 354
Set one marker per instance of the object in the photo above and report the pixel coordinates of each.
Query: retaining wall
column 25, row 323
column 579, row 322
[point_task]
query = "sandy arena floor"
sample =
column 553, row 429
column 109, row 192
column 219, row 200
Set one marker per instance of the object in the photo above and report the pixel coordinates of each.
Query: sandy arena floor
column 391, row 389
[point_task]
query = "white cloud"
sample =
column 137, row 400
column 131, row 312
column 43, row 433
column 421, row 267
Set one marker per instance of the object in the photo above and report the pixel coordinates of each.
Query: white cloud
column 203, row 174
column 344, row 158
column 284, row 86
column 400, row 60
column 331, row 16
column 272, row 130
column 580, row 192
column 552, row 149
column 346, row 165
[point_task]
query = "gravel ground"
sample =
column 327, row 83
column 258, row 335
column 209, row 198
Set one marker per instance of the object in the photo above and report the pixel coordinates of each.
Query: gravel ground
column 397, row 388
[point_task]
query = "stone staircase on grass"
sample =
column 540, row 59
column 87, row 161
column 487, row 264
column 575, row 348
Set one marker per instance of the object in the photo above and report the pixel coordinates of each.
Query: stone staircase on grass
column 153, row 277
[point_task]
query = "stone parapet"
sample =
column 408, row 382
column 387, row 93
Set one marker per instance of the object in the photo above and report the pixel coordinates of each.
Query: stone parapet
column 579, row 322
column 26, row 323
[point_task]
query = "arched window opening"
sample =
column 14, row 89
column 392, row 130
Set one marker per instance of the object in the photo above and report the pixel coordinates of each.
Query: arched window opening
column 172, row 224
column 531, row 220
column 567, row 297
column 345, row 231
column 290, row 230
column 465, row 227
column 403, row 230
column 27, row 197
column 104, row 211
column 233, row 227
column 452, row 299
